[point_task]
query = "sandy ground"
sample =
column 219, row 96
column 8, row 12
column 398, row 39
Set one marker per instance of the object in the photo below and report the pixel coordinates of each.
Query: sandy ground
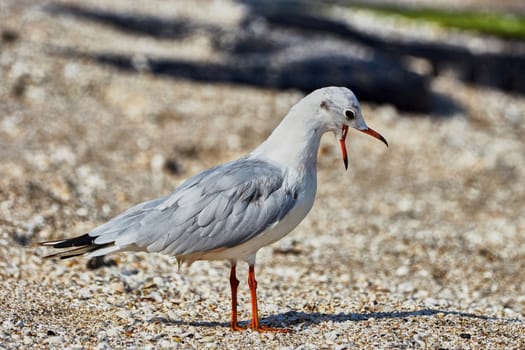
column 421, row 245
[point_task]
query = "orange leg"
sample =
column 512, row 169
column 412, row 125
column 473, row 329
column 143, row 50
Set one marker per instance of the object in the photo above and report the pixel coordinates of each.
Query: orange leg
column 234, row 283
column 255, row 313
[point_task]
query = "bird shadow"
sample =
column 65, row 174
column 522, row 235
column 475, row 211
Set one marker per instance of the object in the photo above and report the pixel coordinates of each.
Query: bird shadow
column 306, row 319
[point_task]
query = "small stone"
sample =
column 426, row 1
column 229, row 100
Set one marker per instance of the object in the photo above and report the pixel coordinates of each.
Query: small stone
column 85, row 294
column 406, row 287
column 75, row 347
column 155, row 296
column 158, row 281
column 113, row 332
column 166, row 344
column 207, row 339
column 402, row 271
column 333, row 335
column 103, row 346
column 55, row 340
column 82, row 212
column 117, row 287
column 343, row 346
column 124, row 314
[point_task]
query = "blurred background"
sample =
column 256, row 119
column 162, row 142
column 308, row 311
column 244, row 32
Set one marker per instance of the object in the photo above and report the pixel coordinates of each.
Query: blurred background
column 107, row 104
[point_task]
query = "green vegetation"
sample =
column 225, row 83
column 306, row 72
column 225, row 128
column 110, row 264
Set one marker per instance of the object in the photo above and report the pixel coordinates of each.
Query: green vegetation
column 500, row 24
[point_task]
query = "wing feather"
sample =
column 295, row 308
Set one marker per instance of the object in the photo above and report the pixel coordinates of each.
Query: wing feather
column 218, row 208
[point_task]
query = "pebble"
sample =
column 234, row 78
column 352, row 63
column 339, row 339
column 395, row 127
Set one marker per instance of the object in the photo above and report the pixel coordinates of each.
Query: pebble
column 28, row 340
column 103, row 346
column 85, row 294
column 55, row 340
column 75, row 347
column 406, row 287
column 113, row 332
column 124, row 314
column 166, row 344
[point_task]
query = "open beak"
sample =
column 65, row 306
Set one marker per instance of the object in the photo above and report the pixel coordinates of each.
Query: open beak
column 368, row 131
column 343, row 145
column 375, row 134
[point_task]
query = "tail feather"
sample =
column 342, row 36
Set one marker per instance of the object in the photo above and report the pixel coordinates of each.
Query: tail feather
column 82, row 244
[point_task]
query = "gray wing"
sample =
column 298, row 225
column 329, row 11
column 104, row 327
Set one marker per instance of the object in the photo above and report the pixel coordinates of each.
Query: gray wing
column 221, row 207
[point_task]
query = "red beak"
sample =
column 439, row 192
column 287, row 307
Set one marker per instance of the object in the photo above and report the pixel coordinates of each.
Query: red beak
column 343, row 146
column 375, row 134
column 368, row 131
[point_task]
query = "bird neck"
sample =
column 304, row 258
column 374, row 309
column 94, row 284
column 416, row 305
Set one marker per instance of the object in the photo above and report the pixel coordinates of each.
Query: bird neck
column 294, row 142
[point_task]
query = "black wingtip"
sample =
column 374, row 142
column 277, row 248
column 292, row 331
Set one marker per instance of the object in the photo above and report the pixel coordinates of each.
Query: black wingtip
column 78, row 251
column 81, row 245
column 79, row 241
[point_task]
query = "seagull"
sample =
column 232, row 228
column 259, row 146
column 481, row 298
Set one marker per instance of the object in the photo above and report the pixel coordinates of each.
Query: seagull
column 232, row 210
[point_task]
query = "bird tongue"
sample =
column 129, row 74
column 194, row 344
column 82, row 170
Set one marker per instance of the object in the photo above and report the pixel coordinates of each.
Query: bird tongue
column 343, row 145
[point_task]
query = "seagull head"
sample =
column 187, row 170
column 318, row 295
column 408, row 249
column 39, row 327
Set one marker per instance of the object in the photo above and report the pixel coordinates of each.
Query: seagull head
column 338, row 110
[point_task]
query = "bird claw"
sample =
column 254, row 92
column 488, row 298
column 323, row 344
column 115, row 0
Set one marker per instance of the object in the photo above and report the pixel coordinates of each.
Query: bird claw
column 259, row 328
column 262, row 329
column 237, row 328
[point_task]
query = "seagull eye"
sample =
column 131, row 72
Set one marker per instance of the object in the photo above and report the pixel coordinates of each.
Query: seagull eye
column 350, row 114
